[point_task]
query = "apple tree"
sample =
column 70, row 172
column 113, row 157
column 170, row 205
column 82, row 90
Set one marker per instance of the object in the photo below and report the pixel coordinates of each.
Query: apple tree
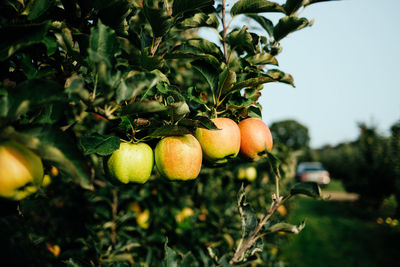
column 81, row 79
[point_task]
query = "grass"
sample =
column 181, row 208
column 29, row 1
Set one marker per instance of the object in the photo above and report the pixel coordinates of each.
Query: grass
column 339, row 234
column 335, row 186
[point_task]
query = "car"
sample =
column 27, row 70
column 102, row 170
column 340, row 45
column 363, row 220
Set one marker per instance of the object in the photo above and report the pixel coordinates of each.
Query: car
column 312, row 172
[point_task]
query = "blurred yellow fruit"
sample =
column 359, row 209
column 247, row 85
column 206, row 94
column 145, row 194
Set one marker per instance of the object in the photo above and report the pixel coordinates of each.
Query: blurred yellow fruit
column 54, row 171
column 282, row 210
column 379, row 220
column 183, row 214
column 46, row 180
column 143, row 219
column 395, row 222
column 388, row 220
column 55, row 250
column 134, row 207
column 21, row 171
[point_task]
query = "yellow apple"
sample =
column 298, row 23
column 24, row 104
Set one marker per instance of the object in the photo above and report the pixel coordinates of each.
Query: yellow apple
column 21, row 171
column 220, row 145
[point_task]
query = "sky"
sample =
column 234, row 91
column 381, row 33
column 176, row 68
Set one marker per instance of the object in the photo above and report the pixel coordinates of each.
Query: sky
column 345, row 68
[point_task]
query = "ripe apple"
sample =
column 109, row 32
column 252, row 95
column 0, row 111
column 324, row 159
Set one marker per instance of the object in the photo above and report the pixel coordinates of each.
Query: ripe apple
column 179, row 157
column 21, row 171
column 255, row 137
column 220, row 145
column 131, row 163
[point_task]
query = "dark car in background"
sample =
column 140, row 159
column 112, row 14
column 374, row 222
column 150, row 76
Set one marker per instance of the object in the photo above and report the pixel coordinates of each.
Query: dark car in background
column 312, row 172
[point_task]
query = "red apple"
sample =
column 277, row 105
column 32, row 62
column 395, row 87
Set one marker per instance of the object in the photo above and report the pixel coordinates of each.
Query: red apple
column 179, row 157
column 220, row 145
column 255, row 137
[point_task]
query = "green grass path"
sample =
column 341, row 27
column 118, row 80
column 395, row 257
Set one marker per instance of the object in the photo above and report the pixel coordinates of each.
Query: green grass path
column 339, row 234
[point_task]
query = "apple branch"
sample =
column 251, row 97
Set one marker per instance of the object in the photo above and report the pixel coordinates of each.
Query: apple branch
column 224, row 34
column 276, row 202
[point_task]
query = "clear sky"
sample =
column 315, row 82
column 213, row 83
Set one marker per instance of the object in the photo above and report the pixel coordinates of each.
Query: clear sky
column 345, row 67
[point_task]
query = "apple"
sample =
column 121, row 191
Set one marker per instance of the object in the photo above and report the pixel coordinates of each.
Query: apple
column 21, row 171
column 179, row 157
column 255, row 136
column 131, row 163
column 220, row 145
column 249, row 173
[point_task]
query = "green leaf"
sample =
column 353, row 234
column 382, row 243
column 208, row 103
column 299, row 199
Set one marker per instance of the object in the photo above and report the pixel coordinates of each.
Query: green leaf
column 240, row 40
column 291, row 6
column 262, row 59
column 101, row 144
column 181, row 6
column 19, row 36
column 171, row 257
column 32, row 94
column 159, row 20
column 169, row 130
column 103, row 45
column 226, row 80
column 143, row 107
column 255, row 6
column 199, row 122
column 274, row 162
column 206, row 47
column 209, row 73
column 287, row 25
column 55, row 146
column 200, row 20
column 115, row 13
column 264, row 22
column 134, row 85
column 286, row 227
column 189, row 260
column 310, row 189
column 38, row 8
column 271, row 76
column 280, row 76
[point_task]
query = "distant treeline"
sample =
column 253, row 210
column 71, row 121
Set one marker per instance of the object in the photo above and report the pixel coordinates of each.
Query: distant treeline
column 369, row 166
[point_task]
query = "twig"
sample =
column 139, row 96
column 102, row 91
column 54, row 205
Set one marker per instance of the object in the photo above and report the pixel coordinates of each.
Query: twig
column 114, row 208
column 224, row 33
column 276, row 202
column 155, row 45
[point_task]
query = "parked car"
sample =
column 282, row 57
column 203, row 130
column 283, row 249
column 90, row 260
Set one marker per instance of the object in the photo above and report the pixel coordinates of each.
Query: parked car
column 313, row 172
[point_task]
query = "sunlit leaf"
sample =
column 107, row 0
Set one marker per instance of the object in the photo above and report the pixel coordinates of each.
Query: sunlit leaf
column 255, row 6
column 264, row 22
column 289, row 24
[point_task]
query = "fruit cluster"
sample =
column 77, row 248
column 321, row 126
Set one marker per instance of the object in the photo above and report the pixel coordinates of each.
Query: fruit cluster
column 180, row 157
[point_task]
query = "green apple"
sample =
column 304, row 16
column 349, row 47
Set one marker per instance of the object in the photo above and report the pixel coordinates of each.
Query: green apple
column 220, row 145
column 131, row 163
column 21, row 171
column 179, row 157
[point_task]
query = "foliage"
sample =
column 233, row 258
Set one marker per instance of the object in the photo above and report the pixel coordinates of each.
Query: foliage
column 368, row 166
column 291, row 134
column 77, row 76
